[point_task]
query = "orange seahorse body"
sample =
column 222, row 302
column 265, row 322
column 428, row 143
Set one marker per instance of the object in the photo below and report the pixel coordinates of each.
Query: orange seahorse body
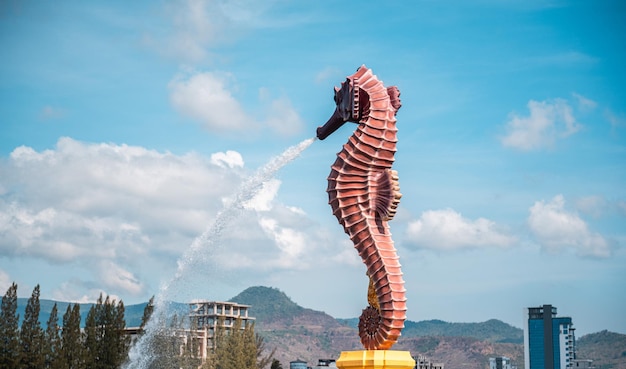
column 364, row 194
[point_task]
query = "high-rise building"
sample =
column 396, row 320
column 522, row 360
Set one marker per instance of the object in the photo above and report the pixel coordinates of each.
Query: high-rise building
column 549, row 341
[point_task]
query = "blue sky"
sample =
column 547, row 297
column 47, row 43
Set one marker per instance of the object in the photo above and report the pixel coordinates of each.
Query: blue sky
column 126, row 126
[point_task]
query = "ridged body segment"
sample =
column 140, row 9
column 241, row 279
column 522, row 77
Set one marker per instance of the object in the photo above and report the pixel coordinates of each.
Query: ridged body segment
column 363, row 194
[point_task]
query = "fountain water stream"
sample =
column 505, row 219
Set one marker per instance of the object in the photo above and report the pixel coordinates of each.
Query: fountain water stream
column 140, row 355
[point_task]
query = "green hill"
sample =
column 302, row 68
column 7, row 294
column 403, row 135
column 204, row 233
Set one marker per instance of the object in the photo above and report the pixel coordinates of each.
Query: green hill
column 492, row 330
column 267, row 303
column 606, row 349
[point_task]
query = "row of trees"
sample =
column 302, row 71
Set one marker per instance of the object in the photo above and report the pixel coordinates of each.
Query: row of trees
column 103, row 343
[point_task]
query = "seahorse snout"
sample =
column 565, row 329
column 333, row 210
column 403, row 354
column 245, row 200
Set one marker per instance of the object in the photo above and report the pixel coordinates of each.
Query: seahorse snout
column 333, row 124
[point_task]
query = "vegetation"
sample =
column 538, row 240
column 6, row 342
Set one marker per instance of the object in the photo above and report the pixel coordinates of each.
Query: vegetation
column 9, row 335
column 295, row 331
column 606, row 349
column 268, row 303
column 276, row 364
column 104, row 344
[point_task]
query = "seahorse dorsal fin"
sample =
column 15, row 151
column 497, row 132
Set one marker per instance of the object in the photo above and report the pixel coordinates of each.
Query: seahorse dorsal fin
column 387, row 194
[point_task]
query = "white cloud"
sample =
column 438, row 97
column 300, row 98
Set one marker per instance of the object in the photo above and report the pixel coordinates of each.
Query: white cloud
column 448, row 230
column 76, row 291
column 556, row 230
column 291, row 242
column 584, row 104
column 116, row 217
column 264, row 198
column 283, row 119
column 231, row 159
column 5, row 281
column 117, row 278
column 547, row 122
column 91, row 204
column 593, row 205
column 206, row 98
column 198, row 25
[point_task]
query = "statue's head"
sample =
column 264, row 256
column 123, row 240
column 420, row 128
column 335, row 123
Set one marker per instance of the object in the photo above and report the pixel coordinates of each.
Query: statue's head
column 347, row 110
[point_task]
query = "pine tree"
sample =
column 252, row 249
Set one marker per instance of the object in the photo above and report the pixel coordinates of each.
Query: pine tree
column 249, row 347
column 147, row 314
column 52, row 341
column 262, row 361
column 31, row 334
column 72, row 352
column 106, row 347
column 9, row 334
column 106, row 344
column 91, row 338
column 122, row 341
column 231, row 355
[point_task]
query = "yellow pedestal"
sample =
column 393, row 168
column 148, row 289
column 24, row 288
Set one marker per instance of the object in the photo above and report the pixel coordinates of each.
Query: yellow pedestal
column 375, row 359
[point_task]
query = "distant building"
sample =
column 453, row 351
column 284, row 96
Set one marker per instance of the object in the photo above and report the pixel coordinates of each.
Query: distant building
column 500, row 362
column 549, row 341
column 206, row 316
column 326, row 363
column 422, row 362
column 297, row 364
column 582, row 364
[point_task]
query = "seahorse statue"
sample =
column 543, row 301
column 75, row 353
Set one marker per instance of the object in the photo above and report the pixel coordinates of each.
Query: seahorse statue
column 364, row 195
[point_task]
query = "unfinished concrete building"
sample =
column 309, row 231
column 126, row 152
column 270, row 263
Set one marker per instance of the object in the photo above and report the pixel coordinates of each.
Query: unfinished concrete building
column 206, row 316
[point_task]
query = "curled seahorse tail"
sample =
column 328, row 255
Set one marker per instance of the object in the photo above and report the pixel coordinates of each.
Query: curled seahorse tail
column 380, row 327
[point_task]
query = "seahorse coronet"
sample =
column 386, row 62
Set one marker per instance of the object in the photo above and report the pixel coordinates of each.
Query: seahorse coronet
column 364, row 194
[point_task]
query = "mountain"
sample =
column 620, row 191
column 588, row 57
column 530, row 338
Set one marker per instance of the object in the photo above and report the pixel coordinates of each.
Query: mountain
column 300, row 333
column 607, row 349
column 132, row 313
column 492, row 330
column 305, row 334
column 296, row 332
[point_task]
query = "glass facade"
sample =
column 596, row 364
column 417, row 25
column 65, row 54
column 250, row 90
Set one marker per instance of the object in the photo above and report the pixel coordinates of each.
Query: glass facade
column 536, row 344
column 548, row 340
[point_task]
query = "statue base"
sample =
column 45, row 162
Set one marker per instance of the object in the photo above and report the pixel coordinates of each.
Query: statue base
column 375, row 359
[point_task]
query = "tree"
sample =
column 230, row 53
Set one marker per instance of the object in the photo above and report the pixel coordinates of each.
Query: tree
column 230, row 352
column 31, row 334
column 276, row 364
column 147, row 314
column 72, row 353
column 9, row 334
column 91, row 339
column 249, row 346
column 262, row 361
column 52, row 341
column 121, row 339
column 105, row 341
